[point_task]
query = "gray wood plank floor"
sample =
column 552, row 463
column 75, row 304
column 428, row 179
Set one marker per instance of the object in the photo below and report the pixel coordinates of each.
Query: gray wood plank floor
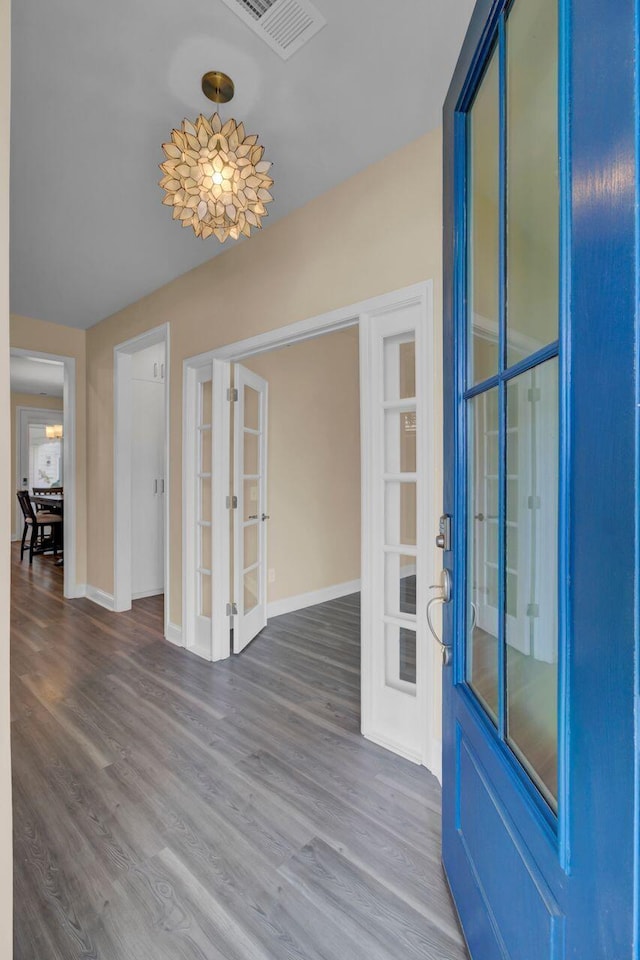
column 170, row 809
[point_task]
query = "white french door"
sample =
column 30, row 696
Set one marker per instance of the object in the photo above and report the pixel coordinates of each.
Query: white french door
column 207, row 541
column 398, row 658
column 250, row 527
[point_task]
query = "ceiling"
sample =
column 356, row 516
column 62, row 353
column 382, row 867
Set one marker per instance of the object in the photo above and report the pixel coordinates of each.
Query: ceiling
column 44, row 377
column 97, row 88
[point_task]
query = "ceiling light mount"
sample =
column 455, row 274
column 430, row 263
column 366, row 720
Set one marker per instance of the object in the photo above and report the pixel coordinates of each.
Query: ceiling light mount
column 218, row 86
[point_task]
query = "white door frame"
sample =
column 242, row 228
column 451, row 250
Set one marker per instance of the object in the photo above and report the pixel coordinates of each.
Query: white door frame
column 71, row 586
column 122, row 392
column 340, row 319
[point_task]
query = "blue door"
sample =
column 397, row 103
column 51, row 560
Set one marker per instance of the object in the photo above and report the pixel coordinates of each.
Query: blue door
column 540, row 245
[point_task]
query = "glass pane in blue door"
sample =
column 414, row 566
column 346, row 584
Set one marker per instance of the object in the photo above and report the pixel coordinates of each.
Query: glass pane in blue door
column 482, row 566
column 531, row 617
column 532, row 229
column 484, row 229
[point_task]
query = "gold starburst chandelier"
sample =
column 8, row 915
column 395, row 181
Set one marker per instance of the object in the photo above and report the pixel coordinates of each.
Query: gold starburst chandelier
column 214, row 175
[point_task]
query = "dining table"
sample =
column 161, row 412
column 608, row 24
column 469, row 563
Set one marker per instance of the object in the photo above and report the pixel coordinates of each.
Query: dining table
column 54, row 503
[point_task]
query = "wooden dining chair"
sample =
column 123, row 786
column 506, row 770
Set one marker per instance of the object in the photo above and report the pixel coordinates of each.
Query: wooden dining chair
column 40, row 540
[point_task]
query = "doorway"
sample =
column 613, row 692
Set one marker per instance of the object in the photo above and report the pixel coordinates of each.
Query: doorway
column 141, row 487
column 400, row 673
column 43, row 413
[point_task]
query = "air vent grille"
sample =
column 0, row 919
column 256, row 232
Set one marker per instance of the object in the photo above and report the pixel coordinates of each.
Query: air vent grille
column 257, row 8
column 285, row 25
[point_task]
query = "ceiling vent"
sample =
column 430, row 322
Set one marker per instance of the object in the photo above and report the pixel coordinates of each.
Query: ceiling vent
column 285, row 25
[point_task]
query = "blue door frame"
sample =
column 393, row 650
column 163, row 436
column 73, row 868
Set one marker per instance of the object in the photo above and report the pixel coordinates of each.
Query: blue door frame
column 528, row 883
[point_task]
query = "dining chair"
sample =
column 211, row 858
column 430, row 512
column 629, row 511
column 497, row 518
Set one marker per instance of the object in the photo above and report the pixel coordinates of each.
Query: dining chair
column 39, row 541
column 45, row 492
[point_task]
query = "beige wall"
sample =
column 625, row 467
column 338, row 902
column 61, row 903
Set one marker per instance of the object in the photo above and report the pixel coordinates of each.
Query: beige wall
column 24, row 400
column 313, row 475
column 377, row 232
column 30, row 334
column 6, row 877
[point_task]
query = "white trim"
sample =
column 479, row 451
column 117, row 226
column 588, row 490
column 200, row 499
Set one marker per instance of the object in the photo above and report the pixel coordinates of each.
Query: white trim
column 144, row 594
column 70, row 588
column 310, row 328
column 394, row 747
column 122, row 359
column 101, row 597
column 174, row 634
column 290, row 604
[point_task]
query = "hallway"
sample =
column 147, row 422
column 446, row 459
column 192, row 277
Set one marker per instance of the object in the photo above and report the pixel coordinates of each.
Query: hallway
column 170, row 809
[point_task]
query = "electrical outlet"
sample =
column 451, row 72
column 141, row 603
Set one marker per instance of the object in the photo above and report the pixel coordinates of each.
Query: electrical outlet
column 272, row 576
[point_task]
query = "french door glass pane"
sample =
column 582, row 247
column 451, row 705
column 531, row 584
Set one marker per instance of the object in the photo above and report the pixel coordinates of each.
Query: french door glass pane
column 251, row 544
column 531, row 628
column 251, row 494
column 400, row 441
column 205, row 547
column 204, row 589
column 482, row 547
column 400, row 585
column 532, row 178
column 206, row 439
column 205, row 498
column 205, row 402
column 400, row 654
column 483, row 213
column 250, row 590
column 251, row 408
column 251, row 447
column 400, row 513
column 399, row 367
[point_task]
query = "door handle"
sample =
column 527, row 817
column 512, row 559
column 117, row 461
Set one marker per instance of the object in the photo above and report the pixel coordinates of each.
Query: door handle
column 155, row 486
column 445, row 597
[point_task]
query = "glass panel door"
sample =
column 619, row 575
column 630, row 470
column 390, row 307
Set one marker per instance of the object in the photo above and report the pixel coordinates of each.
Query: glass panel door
column 204, row 471
column 250, row 549
column 512, row 404
column 540, row 820
column 398, row 662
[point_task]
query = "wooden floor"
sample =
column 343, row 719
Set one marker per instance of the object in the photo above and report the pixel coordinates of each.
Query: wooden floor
column 167, row 808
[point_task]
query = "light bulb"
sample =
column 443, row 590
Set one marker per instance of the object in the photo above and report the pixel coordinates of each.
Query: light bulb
column 217, row 177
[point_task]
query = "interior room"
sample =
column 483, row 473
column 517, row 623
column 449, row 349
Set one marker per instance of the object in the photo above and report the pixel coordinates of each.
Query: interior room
column 318, row 375
column 37, row 463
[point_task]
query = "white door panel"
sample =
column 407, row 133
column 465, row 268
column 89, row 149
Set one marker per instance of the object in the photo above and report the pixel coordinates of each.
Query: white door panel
column 251, row 516
column 398, row 657
column 147, row 488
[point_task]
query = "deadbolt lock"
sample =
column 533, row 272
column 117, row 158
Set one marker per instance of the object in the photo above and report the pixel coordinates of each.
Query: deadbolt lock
column 443, row 539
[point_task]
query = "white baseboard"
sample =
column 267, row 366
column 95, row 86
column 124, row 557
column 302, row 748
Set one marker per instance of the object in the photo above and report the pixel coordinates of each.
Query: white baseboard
column 143, row 594
column 393, row 747
column 278, row 607
column 100, row 597
column 79, row 591
column 174, row 634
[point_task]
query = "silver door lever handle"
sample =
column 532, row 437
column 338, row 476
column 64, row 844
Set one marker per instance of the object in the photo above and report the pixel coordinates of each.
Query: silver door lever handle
column 445, row 597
